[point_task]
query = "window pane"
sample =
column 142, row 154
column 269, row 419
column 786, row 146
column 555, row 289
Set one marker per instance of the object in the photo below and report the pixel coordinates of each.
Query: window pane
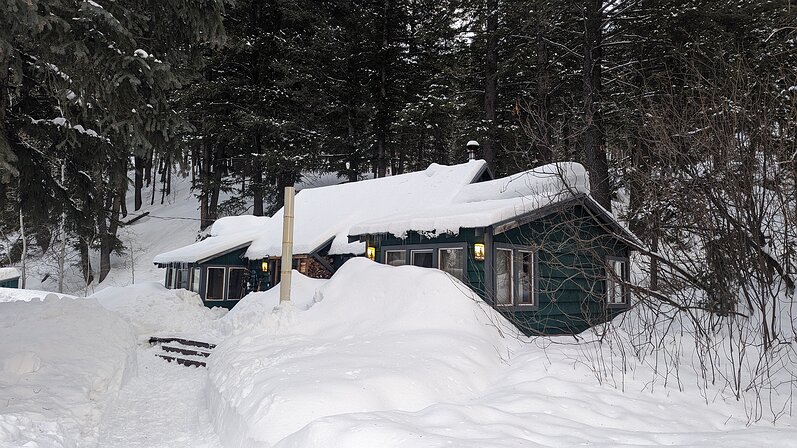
column 453, row 262
column 524, row 263
column 182, row 279
column 215, row 288
column 396, row 257
column 195, row 280
column 503, row 277
column 168, row 282
column 422, row 259
column 615, row 290
column 236, row 284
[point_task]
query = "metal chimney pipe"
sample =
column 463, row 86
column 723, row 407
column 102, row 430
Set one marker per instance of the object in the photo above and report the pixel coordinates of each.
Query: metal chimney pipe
column 472, row 146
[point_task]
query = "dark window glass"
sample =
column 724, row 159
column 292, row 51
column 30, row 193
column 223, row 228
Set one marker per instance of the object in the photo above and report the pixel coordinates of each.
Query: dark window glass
column 524, row 263
column 215, row 288
column 236, row 284
column 453, row 262
column 168, row 283
column 422, row 259
column 396, row 257
column 503, row 277
column 182, row 279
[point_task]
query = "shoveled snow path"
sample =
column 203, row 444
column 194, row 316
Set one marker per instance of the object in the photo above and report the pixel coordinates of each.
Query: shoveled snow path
column 163, row 407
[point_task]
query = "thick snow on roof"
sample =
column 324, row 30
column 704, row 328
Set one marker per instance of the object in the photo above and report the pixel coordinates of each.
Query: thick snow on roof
column 8, row 273
column 227, row 234
column 485, row 203
column 326, row 213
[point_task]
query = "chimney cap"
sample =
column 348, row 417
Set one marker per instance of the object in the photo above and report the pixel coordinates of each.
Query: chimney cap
column 472, row 143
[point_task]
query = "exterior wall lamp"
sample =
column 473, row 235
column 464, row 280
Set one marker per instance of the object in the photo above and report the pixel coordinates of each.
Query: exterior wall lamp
column 264, row 266
column 370, row 252
column 478, row 251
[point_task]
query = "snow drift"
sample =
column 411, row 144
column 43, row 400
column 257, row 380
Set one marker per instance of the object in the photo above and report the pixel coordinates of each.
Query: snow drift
column 66, row 361
column 378, row 338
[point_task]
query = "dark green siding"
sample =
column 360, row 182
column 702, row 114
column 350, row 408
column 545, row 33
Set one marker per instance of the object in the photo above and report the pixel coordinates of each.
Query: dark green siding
column 10, row 283
column 474, row 269
column 571, row 249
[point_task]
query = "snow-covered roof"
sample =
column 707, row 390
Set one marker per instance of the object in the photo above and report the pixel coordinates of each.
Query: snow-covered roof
column 9, row 273
column 328, row 213
column 228, row 234
column 486, row 203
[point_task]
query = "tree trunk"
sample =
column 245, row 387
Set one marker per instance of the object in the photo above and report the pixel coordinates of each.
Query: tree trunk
column 543, row 123
column 382, row 112
column 215, row 184
column 491, row 83
column 594, row 149
column 24, row 256
column 85, row 261
column 257, row 179
column 204, row 179
column 138, row 182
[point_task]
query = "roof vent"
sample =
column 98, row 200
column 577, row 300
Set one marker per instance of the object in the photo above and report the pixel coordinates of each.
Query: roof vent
column 472, row 146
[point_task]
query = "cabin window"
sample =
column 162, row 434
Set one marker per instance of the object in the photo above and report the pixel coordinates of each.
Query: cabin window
column 396, row 257
column 524, row 262
column 168, row 282
column 452, row 260
column 503, row 277
column 181, row 281
column 423, row 258
column 195, row 276
column 236, row 283
column 214, row 290
column 616, row 293
column 515, row 277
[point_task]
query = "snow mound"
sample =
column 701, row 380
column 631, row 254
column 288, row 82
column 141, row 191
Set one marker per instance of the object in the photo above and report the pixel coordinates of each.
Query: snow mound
column 379, row 338
column 26, row 295
column 152, row 309
column 255, row 309
column 62, row 363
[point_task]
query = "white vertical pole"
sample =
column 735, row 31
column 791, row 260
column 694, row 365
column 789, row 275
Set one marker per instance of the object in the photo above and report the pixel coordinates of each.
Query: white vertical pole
column 287, row 246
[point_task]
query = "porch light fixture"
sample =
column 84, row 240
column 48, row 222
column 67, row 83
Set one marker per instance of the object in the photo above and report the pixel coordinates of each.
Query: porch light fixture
column 478, row 251
column 370, row 252
column 264, row 266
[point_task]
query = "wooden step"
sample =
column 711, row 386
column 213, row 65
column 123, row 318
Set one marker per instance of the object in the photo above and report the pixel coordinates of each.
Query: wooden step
column 183, row 361
column 184, row 351
column 159, row 340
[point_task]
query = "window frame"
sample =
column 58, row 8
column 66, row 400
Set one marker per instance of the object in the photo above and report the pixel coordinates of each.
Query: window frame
column 167, row 282
column 196, row 279
column 534, row 286
column 512, row 282
column 387, row 251
column 464, row 263
column 177, row 277
column 224, row 284
column 429, row 251
column 610, row 281
column 227, row 282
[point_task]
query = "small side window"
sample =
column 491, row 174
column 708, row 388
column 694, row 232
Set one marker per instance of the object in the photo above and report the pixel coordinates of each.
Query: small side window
column 396, row 257
column 617, row 276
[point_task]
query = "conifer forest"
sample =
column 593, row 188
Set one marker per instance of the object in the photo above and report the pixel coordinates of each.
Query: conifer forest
column 683, row 111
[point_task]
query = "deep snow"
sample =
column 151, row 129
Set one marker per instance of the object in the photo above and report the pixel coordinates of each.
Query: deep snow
column 376, row 356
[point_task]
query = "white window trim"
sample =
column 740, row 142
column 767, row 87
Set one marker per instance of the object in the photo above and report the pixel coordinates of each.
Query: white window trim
column 196, row 277
column 464, row 261
column 532, row 279
column 611, row 281
column 227, row 281
column 420, row 251
column 402, row 251
column 224, row 284
column 511, row 279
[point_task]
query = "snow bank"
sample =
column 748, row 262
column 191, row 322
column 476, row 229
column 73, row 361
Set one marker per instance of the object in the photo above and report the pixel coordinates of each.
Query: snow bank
column 255, row 310
column 26, row 295
column 151, row 309
column 61, row 362
column 379, row 338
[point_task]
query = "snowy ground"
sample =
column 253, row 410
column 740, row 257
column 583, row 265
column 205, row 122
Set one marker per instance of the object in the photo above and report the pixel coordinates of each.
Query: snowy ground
column 376, row 357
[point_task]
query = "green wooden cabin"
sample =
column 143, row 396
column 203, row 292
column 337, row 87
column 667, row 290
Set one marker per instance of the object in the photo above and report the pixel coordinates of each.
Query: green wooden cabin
column 558, row 269
column 9, row 278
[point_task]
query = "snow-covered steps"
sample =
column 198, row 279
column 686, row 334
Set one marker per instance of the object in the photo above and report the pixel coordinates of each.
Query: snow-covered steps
column 185, row 352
